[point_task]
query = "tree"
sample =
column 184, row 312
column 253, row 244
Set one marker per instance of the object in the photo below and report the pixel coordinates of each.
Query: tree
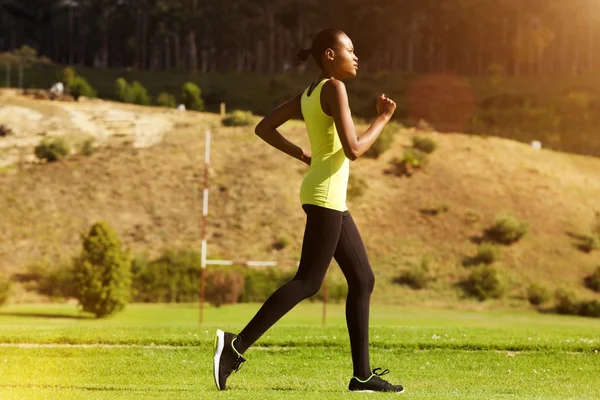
column 102, row 273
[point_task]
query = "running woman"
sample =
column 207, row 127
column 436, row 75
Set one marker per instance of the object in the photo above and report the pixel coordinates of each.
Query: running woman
column 330, row 230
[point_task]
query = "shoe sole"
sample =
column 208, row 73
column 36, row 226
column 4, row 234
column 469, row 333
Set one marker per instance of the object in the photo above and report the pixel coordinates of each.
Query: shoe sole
column 218, row 345
column 372, row 391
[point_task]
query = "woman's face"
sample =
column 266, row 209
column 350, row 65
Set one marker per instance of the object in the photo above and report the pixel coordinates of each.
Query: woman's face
column 342, row 61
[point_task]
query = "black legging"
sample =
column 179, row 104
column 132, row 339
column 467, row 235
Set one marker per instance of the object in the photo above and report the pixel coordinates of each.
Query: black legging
column 328, row 234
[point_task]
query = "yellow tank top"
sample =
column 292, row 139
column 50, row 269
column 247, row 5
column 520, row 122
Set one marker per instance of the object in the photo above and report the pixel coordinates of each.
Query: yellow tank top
column 326, row 181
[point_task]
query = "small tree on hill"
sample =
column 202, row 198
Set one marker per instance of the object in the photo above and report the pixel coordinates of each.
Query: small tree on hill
column 102, row 273
column 191, row 97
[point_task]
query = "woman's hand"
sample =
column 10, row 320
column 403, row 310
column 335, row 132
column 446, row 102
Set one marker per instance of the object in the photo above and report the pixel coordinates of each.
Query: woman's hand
column 385, row 106
column 306, row 158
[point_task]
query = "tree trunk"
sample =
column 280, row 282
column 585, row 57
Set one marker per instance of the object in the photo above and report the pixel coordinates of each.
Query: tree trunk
column 71, row 36
column 591, row 42
column 167, row 46
column 193, row 53
column 177, row 45
column 271, row 42
column 480, row 44
column 518, row 48
column 260, row 56
column 410, row 56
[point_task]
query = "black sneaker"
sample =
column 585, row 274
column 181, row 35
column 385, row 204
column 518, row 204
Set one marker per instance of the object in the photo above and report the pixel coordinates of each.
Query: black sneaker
column 374, row 384
column 227, row 359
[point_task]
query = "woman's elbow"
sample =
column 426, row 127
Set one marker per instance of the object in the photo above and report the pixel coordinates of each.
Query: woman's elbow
column 259, row 130
column 351, row 155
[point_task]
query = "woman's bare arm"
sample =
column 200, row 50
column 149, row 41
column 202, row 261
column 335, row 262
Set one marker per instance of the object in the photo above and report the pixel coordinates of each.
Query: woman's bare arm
column 336, row 99
column 267, row 129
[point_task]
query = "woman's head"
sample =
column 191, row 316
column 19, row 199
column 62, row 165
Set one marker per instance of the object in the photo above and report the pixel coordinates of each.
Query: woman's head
column 333, row 52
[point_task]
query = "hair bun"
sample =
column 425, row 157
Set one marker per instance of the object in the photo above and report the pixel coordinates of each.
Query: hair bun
column 304, row 54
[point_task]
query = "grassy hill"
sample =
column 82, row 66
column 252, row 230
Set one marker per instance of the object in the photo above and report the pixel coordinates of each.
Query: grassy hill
column 150, row 191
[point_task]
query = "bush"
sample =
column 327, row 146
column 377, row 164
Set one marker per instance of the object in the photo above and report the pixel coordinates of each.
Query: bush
column 537, row 294
column 224, row 287
column 507, row 229
column 592, row 281
column 102, row 273
column 166, row 100
column 5, row 131
column 484, row 283
column 67, row 76
column 191, row 97
column 5, row 288
column 52, row 149
column 417, row 276
column 80, row 87
column 238, row 118
column 590, row 309
column 590, row 243
column 566, row 302
column 87, row 147
column 281, row 243
column 384, row 141
column 123, row 90
column 424, row 144
column 139, row 94
column 415, row 158
column 172, row 277
column 487, row 253
column 337, row 291
column 435, row 209
column 51, row 280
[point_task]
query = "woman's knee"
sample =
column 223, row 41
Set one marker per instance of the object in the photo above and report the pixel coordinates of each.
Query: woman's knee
column 311, row 287
column 364, row 285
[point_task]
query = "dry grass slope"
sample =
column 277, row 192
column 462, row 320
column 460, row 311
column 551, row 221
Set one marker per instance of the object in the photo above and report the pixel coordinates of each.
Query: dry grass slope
column 152, row 196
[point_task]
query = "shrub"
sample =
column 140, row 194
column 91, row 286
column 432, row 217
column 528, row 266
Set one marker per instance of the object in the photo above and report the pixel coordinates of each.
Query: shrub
column 238, row 118
column 384, row 141
column 435, row 209
column 102, row 273
column 507, row 229
column 415, row 158
column 5, row 131
column 87, row 147
column 337, row 291
column 191, row 97
column 5, row 288
column 80, row 87
column 356, row 187
column 281, row 243
column 592, row 281
column 537, row 294
column 123, row 90
column 139, row 94
column 259, row 284
column 484, row 283
column 54, row 280
column 417, row 276
column 67, row 76
column 487, row 253
column 566, row 302
column 166, row 100
column 172, row 277
column 224, row 287
column 425, row 144
column 590, row 243
column 52, row 149
column 590, row 308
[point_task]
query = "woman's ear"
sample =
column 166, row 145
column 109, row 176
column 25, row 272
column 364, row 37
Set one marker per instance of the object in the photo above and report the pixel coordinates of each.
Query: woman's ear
column 330, row 54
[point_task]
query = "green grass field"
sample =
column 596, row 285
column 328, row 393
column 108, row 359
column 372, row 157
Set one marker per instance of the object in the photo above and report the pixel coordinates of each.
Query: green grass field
column 162, row 352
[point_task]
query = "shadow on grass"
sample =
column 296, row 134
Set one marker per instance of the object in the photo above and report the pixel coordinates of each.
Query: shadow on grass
column 42, row 315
